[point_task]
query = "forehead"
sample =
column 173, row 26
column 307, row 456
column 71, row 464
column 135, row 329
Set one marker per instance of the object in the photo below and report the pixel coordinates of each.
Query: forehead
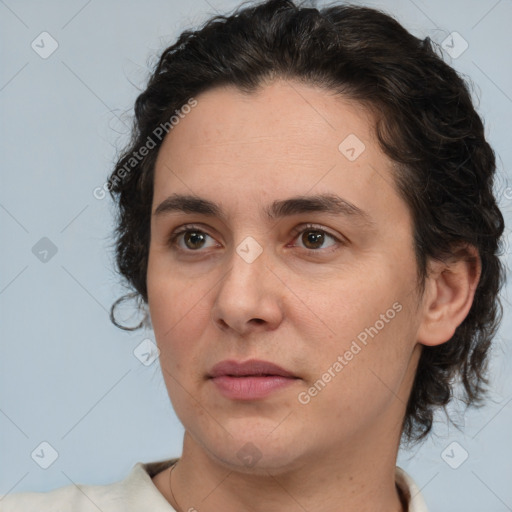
column 286, row 139
column 284, row 118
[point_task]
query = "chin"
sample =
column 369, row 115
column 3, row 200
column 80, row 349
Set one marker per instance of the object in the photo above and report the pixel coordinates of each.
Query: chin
column 254, row 451
column 252, row 461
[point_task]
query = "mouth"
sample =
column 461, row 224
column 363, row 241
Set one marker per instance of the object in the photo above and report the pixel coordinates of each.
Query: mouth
column 250, row 380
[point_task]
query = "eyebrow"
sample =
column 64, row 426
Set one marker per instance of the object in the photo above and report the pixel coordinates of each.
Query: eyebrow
column 325, row 203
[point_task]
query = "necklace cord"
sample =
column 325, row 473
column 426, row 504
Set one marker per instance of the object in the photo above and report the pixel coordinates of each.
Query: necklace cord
column 170, row 486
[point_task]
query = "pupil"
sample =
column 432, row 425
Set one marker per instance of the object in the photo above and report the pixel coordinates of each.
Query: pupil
column 195, row 237
column 313, row 237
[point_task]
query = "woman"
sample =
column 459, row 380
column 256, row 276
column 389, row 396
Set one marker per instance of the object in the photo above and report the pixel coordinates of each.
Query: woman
column 297, row 211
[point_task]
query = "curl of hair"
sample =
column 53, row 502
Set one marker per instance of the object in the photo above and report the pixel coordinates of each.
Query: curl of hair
column 425, row 122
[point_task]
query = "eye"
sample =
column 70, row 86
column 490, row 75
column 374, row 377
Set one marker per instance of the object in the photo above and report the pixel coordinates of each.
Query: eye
column 313, row 237
column 193, row 238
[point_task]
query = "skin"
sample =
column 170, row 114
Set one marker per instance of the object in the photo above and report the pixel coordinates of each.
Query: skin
column 298, row 304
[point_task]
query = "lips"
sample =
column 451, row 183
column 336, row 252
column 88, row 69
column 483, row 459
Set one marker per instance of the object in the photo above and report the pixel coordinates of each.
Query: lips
column 252, row 368
column 250, row 380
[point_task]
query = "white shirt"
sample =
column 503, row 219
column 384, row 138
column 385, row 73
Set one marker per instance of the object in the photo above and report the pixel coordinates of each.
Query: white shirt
column 138, row 493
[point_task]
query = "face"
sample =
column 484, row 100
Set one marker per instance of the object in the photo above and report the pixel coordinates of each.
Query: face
column 325, row 290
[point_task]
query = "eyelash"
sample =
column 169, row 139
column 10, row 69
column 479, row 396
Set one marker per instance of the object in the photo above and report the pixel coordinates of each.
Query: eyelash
column 295, row 232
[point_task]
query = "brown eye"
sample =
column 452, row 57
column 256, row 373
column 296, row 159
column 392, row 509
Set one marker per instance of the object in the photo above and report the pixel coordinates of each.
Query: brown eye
column 194, row 239
column 313, row 238
column 189, row 239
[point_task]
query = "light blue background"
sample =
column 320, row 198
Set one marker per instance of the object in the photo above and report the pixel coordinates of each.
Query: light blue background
column 67, row 375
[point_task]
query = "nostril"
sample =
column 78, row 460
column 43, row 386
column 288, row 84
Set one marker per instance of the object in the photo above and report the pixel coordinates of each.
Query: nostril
column 223, row 324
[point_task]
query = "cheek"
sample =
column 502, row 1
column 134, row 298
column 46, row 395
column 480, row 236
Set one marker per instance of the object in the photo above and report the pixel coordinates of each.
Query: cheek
column 180, row 309
column 338, row 311
column 366, row 353
column 170, row 296
column 178, row 313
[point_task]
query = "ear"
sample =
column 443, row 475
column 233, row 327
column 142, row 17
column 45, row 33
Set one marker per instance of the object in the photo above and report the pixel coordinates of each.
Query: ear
column 449, row 292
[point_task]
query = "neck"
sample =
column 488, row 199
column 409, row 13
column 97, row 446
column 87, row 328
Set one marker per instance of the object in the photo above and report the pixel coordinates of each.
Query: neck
column 361, row 477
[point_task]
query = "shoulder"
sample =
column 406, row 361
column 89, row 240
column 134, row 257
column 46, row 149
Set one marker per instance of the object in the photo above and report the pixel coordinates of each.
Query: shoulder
column 135, row 492
column 70, row 497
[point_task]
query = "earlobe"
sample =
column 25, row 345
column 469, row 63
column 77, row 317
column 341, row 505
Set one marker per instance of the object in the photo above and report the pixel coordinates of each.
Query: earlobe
column 449, row 294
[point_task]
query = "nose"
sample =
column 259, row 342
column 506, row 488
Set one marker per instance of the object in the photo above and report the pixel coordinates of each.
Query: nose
column 248, row 297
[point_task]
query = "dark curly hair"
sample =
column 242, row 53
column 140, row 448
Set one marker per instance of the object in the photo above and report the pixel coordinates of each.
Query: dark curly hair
column 426, row 123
